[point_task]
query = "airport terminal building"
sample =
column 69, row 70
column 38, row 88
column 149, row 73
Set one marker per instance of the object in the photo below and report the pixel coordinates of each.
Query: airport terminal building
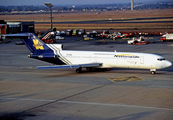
column 16, row 27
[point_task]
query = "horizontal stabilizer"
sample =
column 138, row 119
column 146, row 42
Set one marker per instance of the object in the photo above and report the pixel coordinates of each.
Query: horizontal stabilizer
column 17, row 35
column 70, row 66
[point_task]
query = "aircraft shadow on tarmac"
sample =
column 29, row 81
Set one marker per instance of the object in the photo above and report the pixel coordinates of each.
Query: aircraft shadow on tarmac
column 71, row 72
column 24, row 115
column 15, row 115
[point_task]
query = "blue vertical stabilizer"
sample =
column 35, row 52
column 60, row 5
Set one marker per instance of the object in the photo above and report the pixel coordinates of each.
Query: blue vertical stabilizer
column 39, row 50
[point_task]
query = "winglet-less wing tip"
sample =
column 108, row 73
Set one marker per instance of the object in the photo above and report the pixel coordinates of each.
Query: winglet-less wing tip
column 70, row 66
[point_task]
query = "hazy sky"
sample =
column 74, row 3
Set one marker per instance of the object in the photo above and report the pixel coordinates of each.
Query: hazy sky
column 69, row 2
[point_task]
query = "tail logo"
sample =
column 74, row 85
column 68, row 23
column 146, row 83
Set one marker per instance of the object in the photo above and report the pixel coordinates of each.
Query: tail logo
column 37, row 44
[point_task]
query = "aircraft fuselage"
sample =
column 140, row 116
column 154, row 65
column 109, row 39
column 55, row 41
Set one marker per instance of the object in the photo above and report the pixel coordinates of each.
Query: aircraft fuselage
column 115, row 59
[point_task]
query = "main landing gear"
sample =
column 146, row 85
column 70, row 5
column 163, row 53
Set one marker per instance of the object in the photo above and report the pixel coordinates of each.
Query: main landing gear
column 78, row 70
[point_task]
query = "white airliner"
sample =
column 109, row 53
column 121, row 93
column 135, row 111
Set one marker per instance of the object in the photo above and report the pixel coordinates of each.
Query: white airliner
column 53, row 53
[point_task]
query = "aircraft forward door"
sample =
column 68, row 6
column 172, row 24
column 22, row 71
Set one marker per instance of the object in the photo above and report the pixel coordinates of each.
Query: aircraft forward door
column 142, row 60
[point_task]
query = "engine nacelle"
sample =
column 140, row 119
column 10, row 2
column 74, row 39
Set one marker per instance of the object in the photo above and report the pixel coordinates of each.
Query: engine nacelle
column 45, row 56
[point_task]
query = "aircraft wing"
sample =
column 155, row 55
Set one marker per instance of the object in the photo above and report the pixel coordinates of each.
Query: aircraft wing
column 70, row 66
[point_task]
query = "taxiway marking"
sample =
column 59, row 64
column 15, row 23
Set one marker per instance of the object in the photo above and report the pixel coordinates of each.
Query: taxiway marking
column 125, row 79
column 114, row 105
column 87, row 103
column 148, row 38
column 39, row 100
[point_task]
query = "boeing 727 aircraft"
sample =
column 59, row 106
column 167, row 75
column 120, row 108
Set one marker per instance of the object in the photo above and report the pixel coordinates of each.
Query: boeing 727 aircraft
column 53, row 53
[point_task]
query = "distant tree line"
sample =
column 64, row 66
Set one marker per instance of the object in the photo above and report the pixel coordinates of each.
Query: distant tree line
column 98, row 7
column 21, row 8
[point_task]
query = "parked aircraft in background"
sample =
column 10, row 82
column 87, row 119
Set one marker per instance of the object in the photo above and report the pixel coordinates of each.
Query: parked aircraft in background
column 53, row 53
column 166, row 37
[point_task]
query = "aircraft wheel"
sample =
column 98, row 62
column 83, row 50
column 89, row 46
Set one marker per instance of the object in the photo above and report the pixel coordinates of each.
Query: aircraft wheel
column 153, row 72
column 89, row 69
column 79, row 70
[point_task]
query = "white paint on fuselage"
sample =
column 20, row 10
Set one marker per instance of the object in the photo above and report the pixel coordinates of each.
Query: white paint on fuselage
column 116, row 59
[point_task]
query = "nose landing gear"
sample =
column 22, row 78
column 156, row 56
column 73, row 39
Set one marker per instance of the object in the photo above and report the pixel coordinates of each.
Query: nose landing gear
column 153, row 71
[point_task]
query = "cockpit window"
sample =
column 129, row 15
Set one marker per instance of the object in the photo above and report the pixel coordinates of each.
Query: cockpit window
column 160, row 59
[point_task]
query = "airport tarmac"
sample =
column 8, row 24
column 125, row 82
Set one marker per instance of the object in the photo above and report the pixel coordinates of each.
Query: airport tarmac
column 116, row 94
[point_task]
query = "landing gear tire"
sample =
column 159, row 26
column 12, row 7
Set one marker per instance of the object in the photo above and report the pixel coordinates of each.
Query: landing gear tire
column 79, row 70
column 153, row 72
column 89, row 69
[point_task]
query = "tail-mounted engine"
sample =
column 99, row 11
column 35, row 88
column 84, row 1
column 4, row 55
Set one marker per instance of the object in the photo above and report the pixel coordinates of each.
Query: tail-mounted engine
column 45, row 56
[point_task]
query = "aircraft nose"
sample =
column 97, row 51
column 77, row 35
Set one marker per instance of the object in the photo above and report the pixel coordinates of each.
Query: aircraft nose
column 168, row 63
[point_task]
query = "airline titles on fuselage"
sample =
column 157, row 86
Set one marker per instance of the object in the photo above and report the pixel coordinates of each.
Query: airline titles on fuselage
column 115, row 56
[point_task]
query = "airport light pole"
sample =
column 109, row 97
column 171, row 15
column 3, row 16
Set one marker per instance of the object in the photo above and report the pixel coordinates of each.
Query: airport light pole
column 131, row 5
column 50, row 5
